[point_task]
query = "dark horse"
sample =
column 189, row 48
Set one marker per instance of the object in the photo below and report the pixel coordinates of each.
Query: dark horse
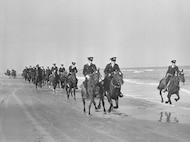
column 71, row 85
column 114, row 89
column 38, row 80
column 94, row 89
column 173, row 87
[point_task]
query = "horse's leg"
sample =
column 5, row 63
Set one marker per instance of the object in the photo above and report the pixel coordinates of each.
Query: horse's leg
column 94, row 104
column 54, row 86
column 83, row 100
column 169, row 96
column 162, row 100
column 116, row 102
column 74, row 91
column 99, row 104
column 67, row 90
column 89, row 107
column 178, row 97
column 103, row 104
column 111, row 104
column 70, row 91
column 36, row 86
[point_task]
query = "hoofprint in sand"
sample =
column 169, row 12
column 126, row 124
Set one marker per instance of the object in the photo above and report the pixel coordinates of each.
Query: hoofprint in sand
column 30, row 115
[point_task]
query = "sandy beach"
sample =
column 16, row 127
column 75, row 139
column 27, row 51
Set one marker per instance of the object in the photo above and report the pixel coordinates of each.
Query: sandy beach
column 42, row 116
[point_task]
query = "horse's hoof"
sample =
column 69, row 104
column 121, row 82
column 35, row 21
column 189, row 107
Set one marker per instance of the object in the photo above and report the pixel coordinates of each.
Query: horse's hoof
column 166, row 102
column 115, row 107
column 99, row 107
column 176, row 100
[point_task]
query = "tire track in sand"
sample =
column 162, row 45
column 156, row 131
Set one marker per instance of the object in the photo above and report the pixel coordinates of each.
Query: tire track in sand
column 46, row 136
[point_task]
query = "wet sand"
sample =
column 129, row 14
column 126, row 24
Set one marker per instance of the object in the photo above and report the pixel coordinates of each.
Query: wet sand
column 42, row 116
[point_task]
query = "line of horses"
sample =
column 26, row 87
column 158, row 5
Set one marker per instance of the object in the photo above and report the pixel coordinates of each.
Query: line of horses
column 53, row 80
column 96, row 88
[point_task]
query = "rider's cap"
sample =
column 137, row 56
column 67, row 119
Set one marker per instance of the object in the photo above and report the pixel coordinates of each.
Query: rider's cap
column 90, row 58
column 173, row 61
column 113, row 59
column 61, row 64
column 73, row 63
column 54, row 63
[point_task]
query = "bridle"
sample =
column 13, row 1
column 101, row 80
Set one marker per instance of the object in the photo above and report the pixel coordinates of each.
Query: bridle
column 115, row 86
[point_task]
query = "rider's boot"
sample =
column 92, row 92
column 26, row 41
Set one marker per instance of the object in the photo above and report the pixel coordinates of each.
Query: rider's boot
column 120, row 94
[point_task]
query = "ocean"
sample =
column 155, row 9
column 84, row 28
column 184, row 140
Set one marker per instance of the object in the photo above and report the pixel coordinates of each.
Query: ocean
column 141, row 83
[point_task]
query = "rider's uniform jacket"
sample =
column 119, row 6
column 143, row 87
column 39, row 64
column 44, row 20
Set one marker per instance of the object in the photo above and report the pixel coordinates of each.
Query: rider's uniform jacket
column 110, row 69
column 54, row 68
column 72, row 69
column 89, row 69
column 61, row 69
column 172, row 70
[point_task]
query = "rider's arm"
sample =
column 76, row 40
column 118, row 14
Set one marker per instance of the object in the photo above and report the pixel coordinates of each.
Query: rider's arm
column 106, row 69
column 94, row 68
column 167, row 71
column 84, row 70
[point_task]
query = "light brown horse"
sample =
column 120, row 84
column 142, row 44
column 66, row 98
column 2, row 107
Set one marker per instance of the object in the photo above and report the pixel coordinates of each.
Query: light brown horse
column 94, row 89
column 63, row 79
column 53, row 81
column 173, row 87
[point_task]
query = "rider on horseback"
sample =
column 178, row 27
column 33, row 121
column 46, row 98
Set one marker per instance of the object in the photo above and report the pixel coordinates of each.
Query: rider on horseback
column 88, row 69
column 109, row 70
column 54, row 70
column 73, row 70
column 172, row 70
column 61, row 69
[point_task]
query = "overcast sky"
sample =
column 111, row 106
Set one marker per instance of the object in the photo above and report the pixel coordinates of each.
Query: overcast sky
column 141, row 33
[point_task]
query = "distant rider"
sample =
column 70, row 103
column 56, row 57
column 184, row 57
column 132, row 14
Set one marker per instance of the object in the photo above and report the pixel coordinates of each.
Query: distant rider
column 73, row 70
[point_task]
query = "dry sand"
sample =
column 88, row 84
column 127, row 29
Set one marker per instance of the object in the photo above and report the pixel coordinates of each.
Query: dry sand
column 27, row 115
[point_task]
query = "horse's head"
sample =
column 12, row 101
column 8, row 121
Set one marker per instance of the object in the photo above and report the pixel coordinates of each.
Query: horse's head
column 118, row 78
column 181, row 76
column 96, row 76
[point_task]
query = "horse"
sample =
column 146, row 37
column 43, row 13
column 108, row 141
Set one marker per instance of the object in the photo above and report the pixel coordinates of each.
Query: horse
column 114, row 89
column 94, row 89
column 71, row 85
column 53, row 80
column 8, row 73
column 173, row 87
column 63, row 79
column 38, row 81
column 13, row 73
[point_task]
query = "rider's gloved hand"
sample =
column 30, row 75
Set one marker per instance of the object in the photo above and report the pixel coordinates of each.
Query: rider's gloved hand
column 87, row 76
